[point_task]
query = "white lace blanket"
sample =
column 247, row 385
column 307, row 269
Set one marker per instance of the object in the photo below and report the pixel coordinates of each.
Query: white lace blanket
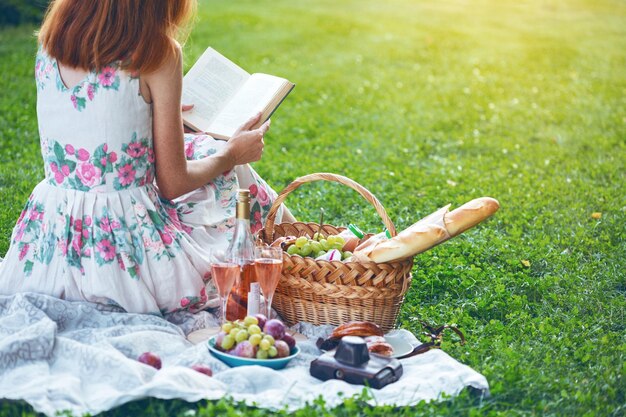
column 60, row 355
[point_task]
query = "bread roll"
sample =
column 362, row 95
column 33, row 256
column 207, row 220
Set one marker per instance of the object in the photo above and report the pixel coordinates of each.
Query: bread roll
column 409, row 242
column 357, row 328
column 469, row 215
column 378, row 345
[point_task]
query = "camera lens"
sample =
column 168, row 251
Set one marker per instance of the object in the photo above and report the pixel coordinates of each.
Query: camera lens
column 352, row 351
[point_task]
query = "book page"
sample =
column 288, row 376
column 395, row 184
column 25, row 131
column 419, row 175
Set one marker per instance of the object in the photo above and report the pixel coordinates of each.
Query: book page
column 252, row 97
column 209, row 85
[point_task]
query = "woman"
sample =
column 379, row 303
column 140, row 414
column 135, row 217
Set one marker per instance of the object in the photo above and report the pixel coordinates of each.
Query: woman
column 129, row 204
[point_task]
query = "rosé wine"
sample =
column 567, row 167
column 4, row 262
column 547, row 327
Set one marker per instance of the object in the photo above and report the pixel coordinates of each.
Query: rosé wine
column 225, row 275
column 268, row 274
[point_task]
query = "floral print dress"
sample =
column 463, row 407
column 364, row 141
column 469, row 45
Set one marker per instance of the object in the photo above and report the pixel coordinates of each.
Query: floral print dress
column 95, row 228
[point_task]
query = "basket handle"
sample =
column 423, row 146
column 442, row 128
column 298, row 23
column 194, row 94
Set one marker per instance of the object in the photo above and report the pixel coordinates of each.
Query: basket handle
column 271, row 217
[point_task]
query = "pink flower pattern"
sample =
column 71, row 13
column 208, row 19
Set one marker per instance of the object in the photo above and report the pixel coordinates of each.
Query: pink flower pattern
column 86, row 91
column 83, row 154
column 106, row 250
column 107, row 76
column 89, row 174
column 91, row 91
column 262, row 196
column 84, row 169
column 136, row 149
column 126, row 175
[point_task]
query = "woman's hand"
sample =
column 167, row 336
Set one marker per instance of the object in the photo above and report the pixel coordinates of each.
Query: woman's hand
column 246, row 145
column 184, row 108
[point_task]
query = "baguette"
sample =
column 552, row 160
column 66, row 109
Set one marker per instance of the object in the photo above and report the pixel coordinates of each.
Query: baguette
column 426, row 233
column 469, row 215
column 411, row 241
column 417, row 238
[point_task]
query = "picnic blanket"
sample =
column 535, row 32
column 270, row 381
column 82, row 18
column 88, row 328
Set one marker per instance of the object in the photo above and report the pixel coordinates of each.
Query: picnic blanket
column 77, row 356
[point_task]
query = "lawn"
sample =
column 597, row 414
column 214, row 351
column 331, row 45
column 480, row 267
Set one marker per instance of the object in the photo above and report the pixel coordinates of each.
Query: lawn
column 427, row 103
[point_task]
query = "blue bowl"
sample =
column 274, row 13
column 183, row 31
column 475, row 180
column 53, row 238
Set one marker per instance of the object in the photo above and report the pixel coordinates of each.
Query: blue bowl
column 232, row 361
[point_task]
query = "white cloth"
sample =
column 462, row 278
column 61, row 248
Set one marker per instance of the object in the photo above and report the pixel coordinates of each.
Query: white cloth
column 78, row 356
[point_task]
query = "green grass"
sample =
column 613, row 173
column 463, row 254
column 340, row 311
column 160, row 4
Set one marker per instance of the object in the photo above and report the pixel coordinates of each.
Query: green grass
column 429, row 103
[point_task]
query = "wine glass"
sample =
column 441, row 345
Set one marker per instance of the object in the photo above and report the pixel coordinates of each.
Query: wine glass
column 268, row 264
column 225, row 271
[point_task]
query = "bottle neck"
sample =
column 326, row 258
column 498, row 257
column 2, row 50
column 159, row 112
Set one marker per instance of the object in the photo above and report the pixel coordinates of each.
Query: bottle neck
column 242, row 244
column 243, row 211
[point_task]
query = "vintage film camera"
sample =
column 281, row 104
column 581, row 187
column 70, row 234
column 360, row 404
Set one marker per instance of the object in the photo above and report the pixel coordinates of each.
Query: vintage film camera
column 351, row 362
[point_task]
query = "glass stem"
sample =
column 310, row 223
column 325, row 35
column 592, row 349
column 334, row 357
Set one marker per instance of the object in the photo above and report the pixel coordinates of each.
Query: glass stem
column 268, row 305
column 224, row 302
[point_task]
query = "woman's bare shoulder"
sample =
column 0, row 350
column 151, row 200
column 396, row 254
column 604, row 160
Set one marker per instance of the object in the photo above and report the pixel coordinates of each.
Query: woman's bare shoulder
column 170, row 69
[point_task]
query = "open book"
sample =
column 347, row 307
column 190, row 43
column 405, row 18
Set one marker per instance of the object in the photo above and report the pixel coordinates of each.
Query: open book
column 225, row 96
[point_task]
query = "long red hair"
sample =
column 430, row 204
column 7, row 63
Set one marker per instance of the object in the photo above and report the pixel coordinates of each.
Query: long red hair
column 90, row 34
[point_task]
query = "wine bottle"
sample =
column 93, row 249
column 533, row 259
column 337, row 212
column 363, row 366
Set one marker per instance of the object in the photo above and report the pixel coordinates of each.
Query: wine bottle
column 241, row 250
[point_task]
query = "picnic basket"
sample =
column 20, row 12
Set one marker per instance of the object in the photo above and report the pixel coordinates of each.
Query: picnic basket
column 323, row 292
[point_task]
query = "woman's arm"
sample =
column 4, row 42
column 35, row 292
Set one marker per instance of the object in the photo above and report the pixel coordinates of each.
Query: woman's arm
column 175, row 175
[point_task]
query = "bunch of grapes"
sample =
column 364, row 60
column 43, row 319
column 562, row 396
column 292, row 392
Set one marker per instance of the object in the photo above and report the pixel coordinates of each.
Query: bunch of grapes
column 318, row 246
column 255, row 337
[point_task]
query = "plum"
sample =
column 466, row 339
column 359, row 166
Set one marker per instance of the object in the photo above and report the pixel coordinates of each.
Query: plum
column 244, row 350
column 274, row 328
column 282, row 348
column 291, row 342
column 203, row 369
column 262, row 319
column 151, row 359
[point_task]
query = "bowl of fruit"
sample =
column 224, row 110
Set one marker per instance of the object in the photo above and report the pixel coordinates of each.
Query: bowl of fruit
column 254, row 341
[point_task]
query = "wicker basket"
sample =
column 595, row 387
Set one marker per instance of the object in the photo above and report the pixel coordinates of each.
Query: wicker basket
column 323, row 292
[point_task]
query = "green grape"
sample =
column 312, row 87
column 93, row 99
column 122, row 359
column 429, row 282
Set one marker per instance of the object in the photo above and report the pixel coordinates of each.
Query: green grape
column 325, row 245
column 255, row 339
column 228, row 342
column 293, row 250
column 305, row 250
column 241, row 336
column 262, row 354
column 254, row 329
column 233, row 332
column 250, row 320
column 340, row 239
column 330, row 239
column 315, row 246
column 346, row 255
column 272, row 351
column 301, row 241
column 320, row 253
column 269, row 338
column 265, row 344
column 317, row 236
column 227, row 327
column 337, row 245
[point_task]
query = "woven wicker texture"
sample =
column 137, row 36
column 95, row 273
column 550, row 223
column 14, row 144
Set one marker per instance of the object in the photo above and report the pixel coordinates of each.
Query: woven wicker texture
column 322, row 292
